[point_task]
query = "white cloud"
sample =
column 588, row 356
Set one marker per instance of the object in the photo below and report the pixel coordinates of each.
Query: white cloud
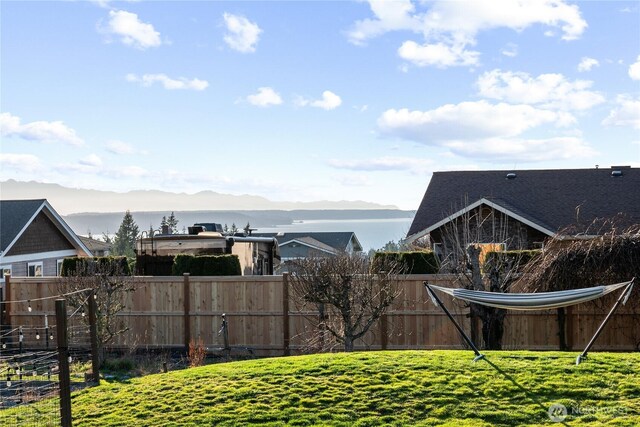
column 131, row 30
column 167, row 82
column 243, row 35
column 467, row 120
column 354, row 180
column 91, row 160
column 488, row 131
column 38, row 131
column 510, row 50
column 634, row 69
column 329, row 101
column 119, row 147
column 626, row 113
column 21, row 162
column 439, row 55
column 586, row 64
column 449, row 27
column 385, row 164
column 522, row 150
column 265, row 97
column 547, row 90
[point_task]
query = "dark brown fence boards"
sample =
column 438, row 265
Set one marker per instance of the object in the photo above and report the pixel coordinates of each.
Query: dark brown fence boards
column 254, row 308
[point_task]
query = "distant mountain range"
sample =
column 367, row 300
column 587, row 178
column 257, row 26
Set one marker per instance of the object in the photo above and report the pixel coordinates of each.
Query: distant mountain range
column 75, row 200
column 97, row 212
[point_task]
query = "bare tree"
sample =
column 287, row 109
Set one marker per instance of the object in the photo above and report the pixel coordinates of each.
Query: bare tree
column 349, row 295
column 464, row 242
column 110, row 285
column 608, row 252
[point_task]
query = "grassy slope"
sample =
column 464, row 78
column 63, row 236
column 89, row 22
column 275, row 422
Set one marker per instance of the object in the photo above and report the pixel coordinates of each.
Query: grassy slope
column 376, row 388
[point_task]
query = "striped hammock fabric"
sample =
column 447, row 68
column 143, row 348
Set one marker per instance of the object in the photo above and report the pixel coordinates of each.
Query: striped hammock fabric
column 531, row 301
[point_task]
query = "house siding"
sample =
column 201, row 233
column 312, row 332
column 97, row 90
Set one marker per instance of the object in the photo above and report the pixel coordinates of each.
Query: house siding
column 41, row 236
column 49, row 267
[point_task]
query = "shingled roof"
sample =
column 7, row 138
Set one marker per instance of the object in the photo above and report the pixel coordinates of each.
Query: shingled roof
column 16, row 215
column 339, row 240
column 550, row 200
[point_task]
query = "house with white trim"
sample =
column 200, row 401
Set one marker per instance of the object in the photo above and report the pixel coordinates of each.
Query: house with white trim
column 520, row 209
column 34, row 239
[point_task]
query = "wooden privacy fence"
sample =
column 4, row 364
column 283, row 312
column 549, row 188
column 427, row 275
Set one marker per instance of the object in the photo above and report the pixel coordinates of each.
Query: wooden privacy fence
column 263, row 316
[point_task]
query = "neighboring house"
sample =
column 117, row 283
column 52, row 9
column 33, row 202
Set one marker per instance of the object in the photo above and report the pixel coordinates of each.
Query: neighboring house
column 520, row 209
column 313, row 244
column 97, row 247
column 257, row 255
column 34, row 239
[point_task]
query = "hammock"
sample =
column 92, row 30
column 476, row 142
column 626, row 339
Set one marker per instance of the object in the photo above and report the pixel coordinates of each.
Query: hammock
column 532, row 301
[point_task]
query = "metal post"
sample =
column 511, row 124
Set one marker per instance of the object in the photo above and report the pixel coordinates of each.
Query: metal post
column 93, row 331
column 63, row 363
column 458, row 327
column 623, row 296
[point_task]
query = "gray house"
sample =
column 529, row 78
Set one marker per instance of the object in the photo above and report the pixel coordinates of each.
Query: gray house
column 520, row 209
column 34, row 239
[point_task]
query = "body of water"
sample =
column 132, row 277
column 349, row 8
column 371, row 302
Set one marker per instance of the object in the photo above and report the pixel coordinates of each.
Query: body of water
column 372, row 233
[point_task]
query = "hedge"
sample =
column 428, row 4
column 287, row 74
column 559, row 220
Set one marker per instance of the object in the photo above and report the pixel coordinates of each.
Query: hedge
column 154, row 265
column 517, row 259
column 85, row 266
column 207, row 265
column 415, row 262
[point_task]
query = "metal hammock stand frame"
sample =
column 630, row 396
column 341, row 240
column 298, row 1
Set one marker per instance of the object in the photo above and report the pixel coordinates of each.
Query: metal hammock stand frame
column 621, row 300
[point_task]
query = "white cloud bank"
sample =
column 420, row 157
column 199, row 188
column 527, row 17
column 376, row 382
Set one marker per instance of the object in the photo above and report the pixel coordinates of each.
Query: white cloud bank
column 634, row 70
column 329, row 101
column 626, row 112
column 131, row 30
column 11, row 126
column 20, row 162
column 265, row 97
column 119, row 147
column 449, row 28
column 167, row 82
column 242, row 35
column 420, row 166
column 485, row 130
column 546, row 90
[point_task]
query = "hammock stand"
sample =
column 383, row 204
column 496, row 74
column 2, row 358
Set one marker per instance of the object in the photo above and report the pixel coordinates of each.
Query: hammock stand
column 531, row 301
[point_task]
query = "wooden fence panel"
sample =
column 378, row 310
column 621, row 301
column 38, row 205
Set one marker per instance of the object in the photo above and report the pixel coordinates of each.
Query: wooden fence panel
column 155, row 314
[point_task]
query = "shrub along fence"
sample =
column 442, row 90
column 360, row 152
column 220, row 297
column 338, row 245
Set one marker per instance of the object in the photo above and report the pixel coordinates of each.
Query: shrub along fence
column 261, row 315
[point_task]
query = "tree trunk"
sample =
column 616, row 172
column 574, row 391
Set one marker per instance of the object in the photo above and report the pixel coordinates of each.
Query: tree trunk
column 348, row 343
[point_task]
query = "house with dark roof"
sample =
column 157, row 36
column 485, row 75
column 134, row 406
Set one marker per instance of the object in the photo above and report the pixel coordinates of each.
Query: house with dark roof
column 520, row 209
column 313, row 244
column 34, row 239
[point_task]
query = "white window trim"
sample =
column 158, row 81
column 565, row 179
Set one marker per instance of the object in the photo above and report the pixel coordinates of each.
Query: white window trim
column 59, row 262
column 35, row 264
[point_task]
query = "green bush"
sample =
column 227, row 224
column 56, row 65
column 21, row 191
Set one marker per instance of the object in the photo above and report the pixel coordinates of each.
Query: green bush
column 86, row 266
column 415, row 262
column 508, row 259
column 207, row 265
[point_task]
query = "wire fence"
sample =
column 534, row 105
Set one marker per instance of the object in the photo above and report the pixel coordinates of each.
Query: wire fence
column 40, row 364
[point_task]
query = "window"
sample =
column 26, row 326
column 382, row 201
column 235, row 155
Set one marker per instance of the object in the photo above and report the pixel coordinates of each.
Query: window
column 34, row 269
column 59, row 267
column 6, row 269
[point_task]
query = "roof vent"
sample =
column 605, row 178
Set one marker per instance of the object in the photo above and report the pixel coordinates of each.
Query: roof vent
column 616, row 173
column 511, row 175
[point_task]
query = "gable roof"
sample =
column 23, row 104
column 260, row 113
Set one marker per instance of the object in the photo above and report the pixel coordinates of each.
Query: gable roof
column 17, row 215
column 338, row 240
column 312, row 243
column 550, row 200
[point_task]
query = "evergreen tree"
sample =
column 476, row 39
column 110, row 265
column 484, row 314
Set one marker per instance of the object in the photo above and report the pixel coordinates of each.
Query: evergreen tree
column 163, row 223
column 124, row 241
column 172, row 222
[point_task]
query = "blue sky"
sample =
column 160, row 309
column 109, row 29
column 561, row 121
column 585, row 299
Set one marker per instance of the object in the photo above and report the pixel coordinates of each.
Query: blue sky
column 306, row 101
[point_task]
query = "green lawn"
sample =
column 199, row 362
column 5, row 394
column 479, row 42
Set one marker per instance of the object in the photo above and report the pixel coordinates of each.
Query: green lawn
column 375, row 388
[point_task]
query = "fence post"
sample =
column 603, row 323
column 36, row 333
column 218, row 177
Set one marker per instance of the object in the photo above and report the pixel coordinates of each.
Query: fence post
column 286, row 333
column 93, row 331
column 6, row 305
column 187, row 308
column 63, row 363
